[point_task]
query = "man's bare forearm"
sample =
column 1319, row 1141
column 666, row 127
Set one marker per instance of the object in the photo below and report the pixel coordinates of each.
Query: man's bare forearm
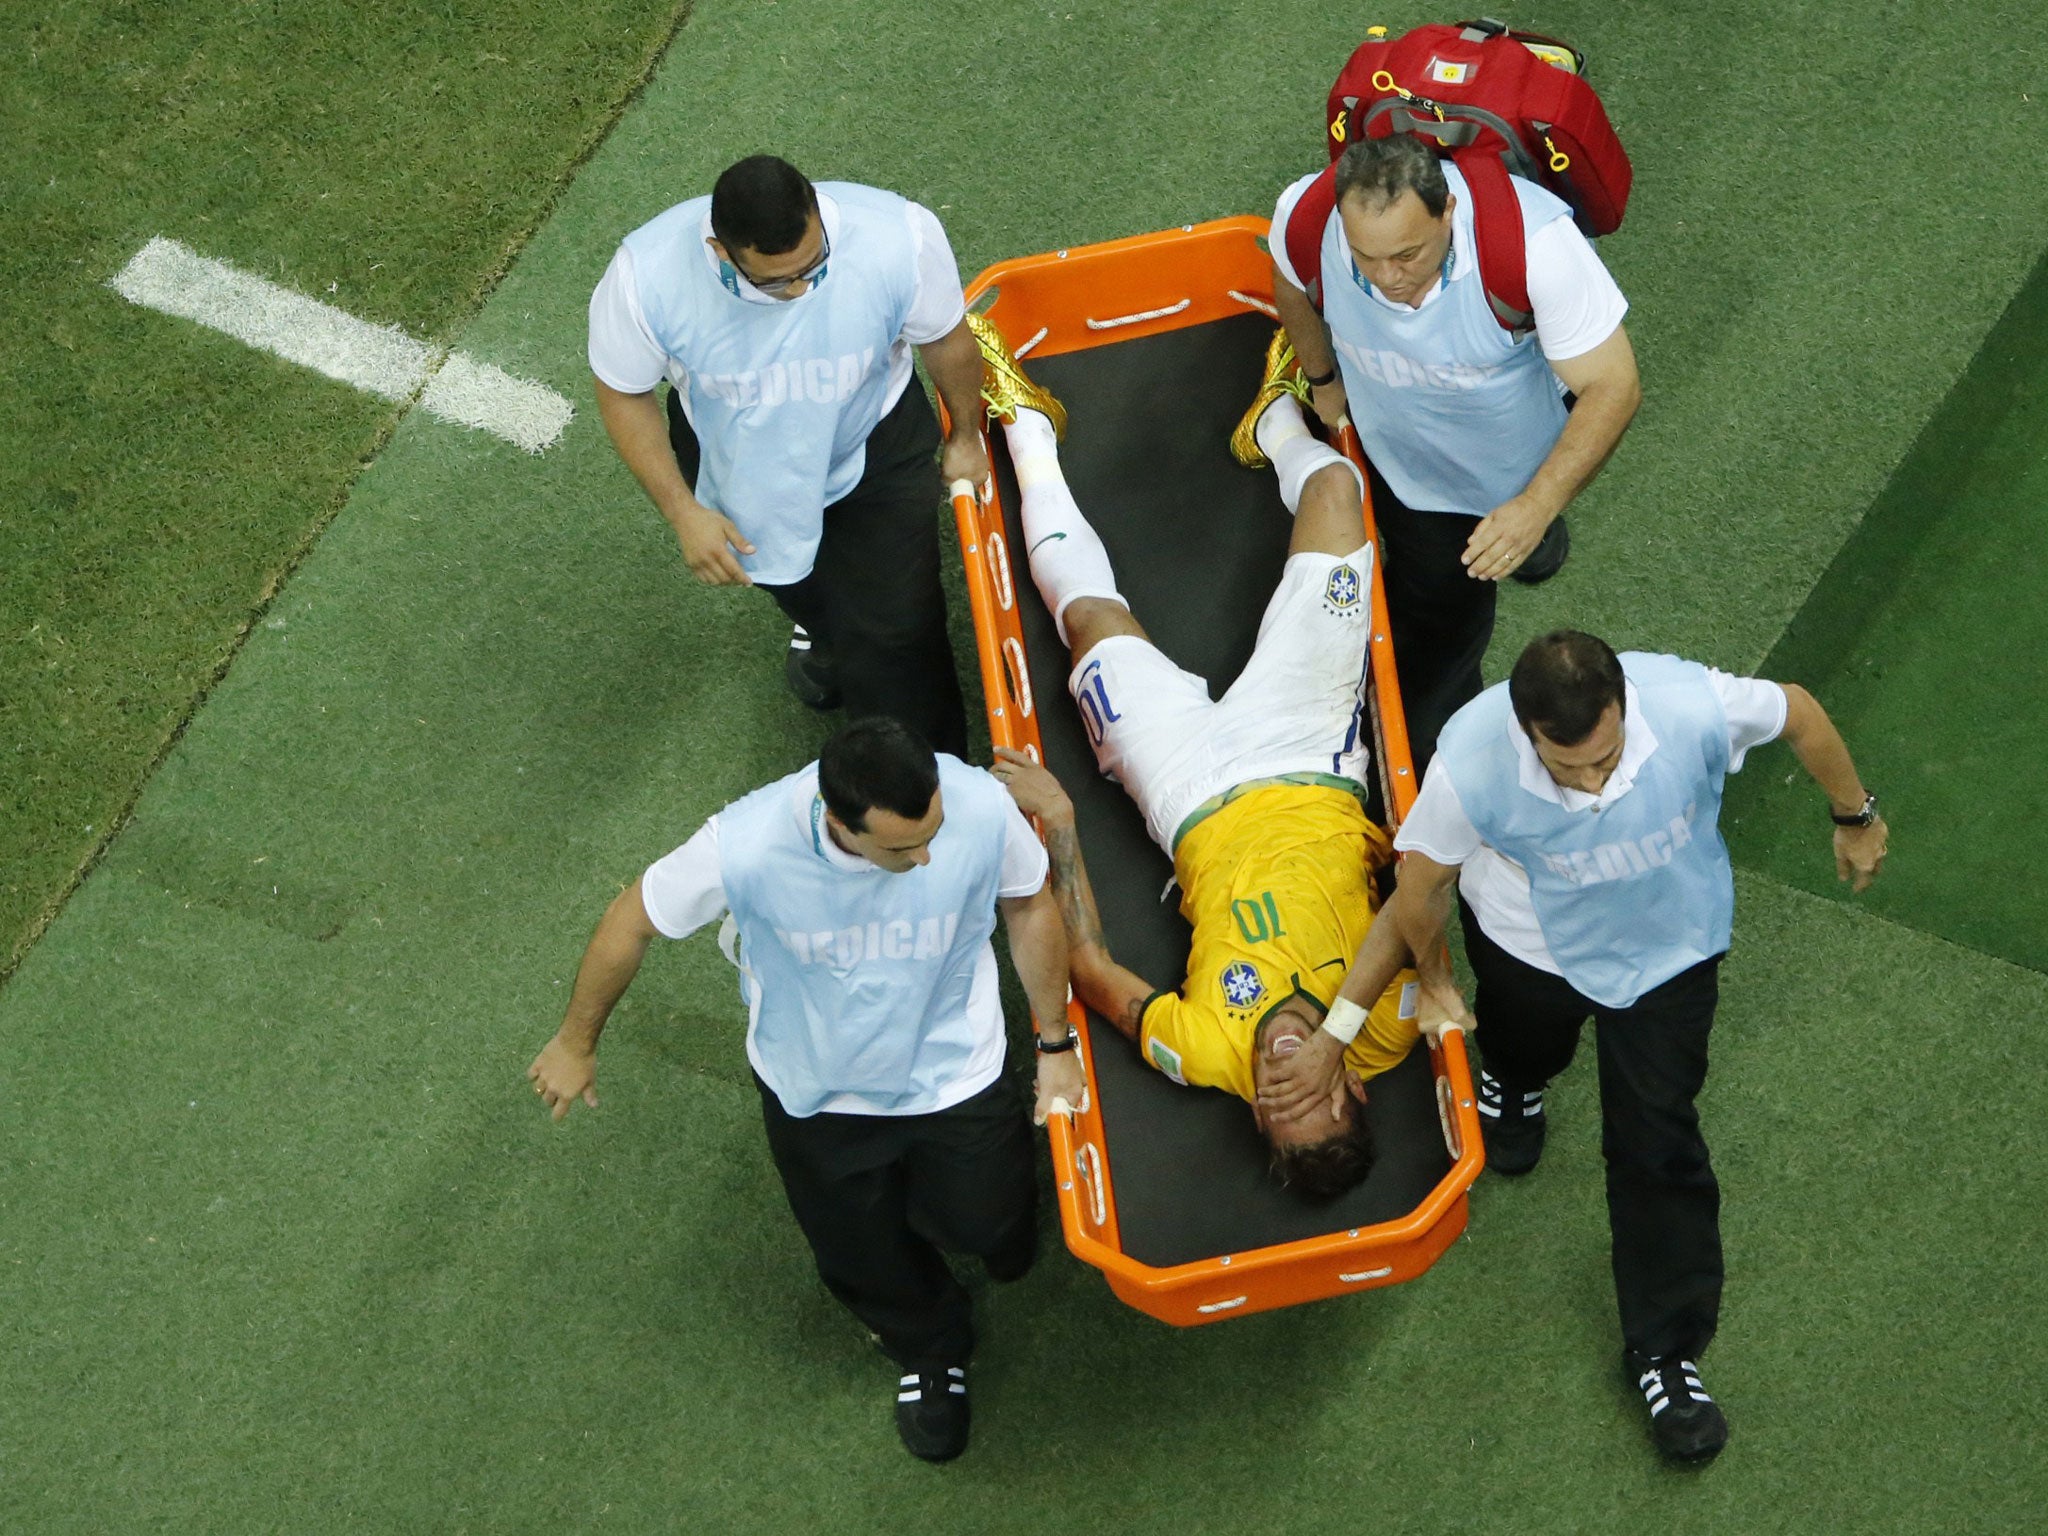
column 1610, row 392
column 1305, row 328
column 954, row 363
column 1818, row 745
column 1591, row 434
column 1409, row 930
column 1113, row 991
column 1070, row 888
column 638, row 428
column 1038, row 948
column 610, row 962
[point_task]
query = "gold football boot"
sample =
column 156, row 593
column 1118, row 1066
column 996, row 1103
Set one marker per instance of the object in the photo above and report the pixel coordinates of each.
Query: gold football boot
column 1004, row 385
column 1283, row 377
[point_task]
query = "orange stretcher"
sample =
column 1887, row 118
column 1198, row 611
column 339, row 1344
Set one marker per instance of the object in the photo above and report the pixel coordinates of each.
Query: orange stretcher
column 1154, row 343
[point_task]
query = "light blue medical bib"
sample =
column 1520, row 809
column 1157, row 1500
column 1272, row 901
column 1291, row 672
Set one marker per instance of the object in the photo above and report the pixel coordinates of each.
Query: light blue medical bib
column 1452, row 410
column 860, row 979
column 1629, row 894
column 783, row 395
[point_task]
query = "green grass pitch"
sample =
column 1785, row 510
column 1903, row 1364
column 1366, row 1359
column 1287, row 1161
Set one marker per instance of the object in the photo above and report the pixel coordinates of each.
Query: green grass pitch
column 287, row 1245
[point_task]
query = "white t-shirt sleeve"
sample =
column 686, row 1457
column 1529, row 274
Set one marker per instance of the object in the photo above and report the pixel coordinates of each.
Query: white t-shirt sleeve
column 623, row 352
column 1755, row 708
column 1575, row 298
column 1437, row 826
column 1025, row 861
column 939, row 305
column 684, row 890
column 1277, row 239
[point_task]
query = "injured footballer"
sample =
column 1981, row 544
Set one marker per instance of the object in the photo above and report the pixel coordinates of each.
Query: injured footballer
column 1257, row 797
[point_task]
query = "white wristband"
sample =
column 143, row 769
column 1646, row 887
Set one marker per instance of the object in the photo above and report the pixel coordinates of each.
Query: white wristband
column 1344, row 1020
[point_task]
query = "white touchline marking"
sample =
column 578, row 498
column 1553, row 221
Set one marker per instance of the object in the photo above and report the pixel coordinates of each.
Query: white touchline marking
column 480, row 395
column 379, row 359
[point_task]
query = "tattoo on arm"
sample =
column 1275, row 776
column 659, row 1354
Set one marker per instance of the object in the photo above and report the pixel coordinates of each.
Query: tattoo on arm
column 1115, row 993
column 1132, row 1019
column 1071, row 889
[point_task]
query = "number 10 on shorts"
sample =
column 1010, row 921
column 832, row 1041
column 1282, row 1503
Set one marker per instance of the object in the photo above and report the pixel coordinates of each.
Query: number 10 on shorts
column 1093, row 698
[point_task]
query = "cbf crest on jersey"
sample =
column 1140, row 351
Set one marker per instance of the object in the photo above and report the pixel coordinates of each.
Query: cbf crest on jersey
column 1242, row 986
column 1341, row 593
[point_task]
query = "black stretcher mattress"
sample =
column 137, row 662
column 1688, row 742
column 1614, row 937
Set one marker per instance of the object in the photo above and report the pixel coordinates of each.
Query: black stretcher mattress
column 1198, row 543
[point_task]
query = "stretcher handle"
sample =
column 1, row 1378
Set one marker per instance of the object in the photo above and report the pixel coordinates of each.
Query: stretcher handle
column 1457, row 1107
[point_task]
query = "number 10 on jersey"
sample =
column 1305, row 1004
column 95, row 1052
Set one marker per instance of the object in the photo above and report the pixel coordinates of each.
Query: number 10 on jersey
column 1258, row 919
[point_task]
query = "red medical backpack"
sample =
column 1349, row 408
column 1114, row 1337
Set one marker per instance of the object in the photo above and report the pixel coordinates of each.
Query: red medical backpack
column 1497, row 102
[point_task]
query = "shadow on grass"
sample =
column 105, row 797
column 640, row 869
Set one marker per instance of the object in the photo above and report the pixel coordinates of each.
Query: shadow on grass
column 1923, row 641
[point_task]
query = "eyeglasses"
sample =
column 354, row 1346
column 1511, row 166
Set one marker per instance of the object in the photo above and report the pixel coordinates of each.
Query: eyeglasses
column 777, row 287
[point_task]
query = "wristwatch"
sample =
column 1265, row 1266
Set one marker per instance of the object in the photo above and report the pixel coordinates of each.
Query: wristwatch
column 1862, row 818
column 1057, row 1047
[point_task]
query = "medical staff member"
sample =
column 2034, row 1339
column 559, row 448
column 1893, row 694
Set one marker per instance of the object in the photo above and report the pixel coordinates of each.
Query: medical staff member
column 1574, row 810
column 1473, row 452
column 864, row 890
column 797, row 449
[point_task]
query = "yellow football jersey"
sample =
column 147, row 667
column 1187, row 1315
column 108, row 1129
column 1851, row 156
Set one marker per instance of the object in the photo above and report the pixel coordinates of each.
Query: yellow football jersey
column 1277, row 884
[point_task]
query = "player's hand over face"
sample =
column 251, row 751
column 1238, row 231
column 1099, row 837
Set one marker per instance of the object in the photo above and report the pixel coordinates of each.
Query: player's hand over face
column 1859, row 853
column 1062, row 1086
column 708, row 540
column 1311, row 1080
column 1330, row 403
column 1033, row 787
column 561, row 1074
column 1505, row 537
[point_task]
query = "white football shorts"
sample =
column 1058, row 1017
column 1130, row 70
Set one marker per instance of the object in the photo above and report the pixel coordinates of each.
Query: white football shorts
column 1295, row 708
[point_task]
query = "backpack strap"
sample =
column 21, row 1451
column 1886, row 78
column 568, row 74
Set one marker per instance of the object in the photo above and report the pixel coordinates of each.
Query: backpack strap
column 1503, row 245
column 1303, row 237
column 1503, row 252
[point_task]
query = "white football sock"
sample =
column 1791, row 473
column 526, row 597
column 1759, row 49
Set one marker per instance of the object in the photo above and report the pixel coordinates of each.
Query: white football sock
column 1066, row 556
column 1278, row 423
column 1284, row 438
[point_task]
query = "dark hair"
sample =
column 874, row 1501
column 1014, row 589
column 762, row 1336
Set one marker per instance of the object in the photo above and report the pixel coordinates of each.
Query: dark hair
column 877, row 764
column 1324, row 1169
column 1380, row 170
column 762, row 204
column 1563, row 683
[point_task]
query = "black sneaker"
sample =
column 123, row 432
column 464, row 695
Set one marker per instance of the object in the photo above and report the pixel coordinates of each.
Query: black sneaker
column 809, row 672
column 1512, row 1131
column 1548, row 557
column 1687, row 1424
column 931, row 1412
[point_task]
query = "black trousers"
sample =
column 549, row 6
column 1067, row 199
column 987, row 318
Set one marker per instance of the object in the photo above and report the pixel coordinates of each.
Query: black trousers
column 1440, row 618
column 873, row 603
column 877, row 1196
column 1663, row 1205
